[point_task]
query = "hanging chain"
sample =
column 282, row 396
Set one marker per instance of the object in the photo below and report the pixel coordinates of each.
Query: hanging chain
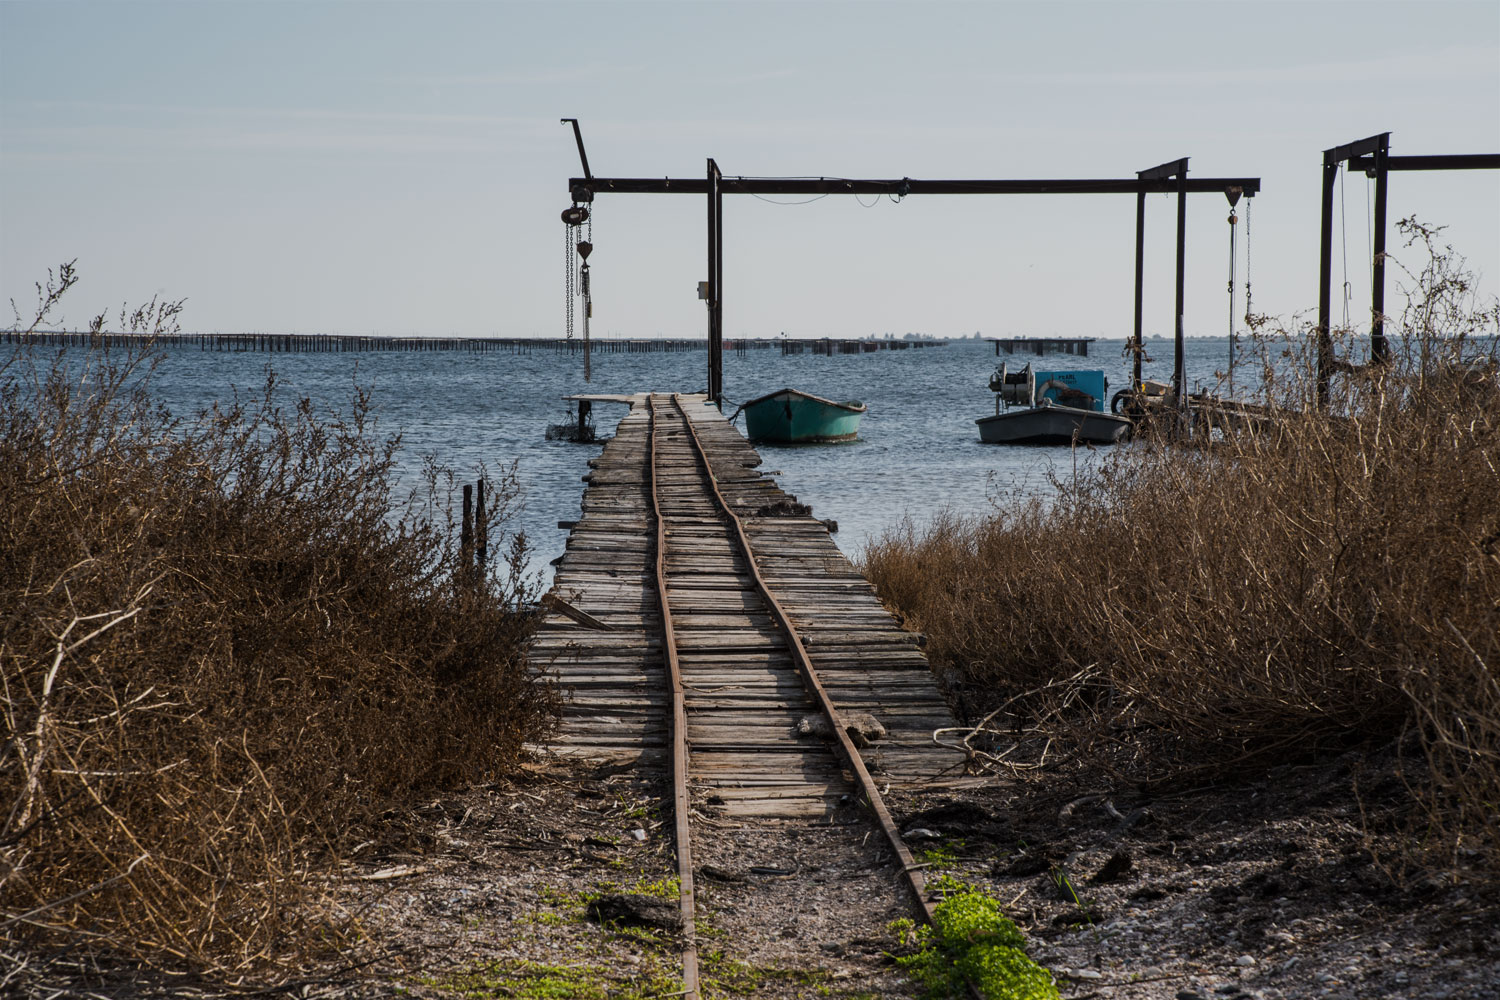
column 588, row 299
column 568, row 267
column 1232, row 341
column 587, row 290
column 1248, row 312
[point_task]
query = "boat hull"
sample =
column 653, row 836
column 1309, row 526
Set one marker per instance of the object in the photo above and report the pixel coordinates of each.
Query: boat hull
column 1053, row 425
column 791, row 417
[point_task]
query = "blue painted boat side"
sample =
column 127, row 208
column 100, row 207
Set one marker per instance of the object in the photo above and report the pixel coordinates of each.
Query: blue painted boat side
column 790, row 416
column 1063, row 385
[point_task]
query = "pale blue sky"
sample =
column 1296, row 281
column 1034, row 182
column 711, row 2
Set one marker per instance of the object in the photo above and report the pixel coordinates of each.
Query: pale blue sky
column 399, row 168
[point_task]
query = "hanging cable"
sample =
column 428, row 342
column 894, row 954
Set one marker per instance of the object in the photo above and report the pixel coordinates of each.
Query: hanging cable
column 772, row 201
column 1344, row 240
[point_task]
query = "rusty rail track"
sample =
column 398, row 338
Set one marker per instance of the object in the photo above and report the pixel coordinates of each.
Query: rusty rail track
column 869, row 794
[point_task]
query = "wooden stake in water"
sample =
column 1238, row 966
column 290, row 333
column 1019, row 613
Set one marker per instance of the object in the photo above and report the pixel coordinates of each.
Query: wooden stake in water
column 481, row 534
column 466, row 531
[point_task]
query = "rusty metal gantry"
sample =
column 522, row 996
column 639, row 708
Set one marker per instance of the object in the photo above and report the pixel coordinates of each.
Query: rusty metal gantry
column 1170, row 177
column 1373, row 156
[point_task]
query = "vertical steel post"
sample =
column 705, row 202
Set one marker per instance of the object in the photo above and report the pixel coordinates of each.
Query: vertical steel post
column 715, row 285
column 1179, row 374
column 1378, row 347
column 1325, row 276
column 1140, row 280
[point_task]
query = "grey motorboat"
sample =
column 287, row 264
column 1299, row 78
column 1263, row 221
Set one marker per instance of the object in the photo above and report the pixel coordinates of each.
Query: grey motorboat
column 1052, row 407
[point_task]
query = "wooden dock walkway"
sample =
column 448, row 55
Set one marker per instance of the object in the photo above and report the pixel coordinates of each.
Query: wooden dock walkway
column 745, row 700
column 1043, row 345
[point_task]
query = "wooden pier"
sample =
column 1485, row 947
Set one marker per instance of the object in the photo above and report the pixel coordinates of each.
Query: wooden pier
column 745, row 700
column 1044, row 345
column 314, row 343
column 705, row 630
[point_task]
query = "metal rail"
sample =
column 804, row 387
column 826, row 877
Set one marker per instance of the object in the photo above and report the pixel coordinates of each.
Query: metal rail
column 913, row 876
column 914, row 880
column 680, row 801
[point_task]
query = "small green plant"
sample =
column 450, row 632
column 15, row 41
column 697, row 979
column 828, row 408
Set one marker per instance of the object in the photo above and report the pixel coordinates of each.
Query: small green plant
column 1068, row 892
column 940, row 857
column 971, row 941
column 662, row 888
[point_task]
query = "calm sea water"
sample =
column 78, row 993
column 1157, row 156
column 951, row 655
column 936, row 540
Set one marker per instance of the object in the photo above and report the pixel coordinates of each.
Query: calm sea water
column 918, row 453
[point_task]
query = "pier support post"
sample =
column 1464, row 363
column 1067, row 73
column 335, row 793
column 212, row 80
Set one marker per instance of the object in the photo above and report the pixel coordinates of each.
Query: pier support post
column 1179, row 371
column 715, row 285
column 1331, row 161
column 1378, row 348
column 1136, row 346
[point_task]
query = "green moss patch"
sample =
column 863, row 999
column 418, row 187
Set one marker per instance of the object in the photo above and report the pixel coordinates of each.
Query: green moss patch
column 972, row 941
column 539, row 981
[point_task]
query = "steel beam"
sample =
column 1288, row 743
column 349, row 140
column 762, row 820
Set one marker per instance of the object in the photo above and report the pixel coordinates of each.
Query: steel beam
column 1378, row 349
column 1457, row 161
column 905, row 186
column 1325, row 275
column 1172, row 168
column 713, row 186
column 1166, row 178
column 1136, row 345
column 1372, row 157
column 582, row 156
column 1179, row 370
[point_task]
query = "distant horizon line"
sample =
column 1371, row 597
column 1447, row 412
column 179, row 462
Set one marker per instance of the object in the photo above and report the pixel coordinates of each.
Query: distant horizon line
column 866, row 338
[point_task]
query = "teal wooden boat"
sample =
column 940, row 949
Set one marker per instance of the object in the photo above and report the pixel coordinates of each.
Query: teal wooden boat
column 790, row 416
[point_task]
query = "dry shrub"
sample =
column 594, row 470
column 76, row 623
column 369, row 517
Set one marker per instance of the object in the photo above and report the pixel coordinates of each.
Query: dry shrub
column 227, row 648
column 1249, row 598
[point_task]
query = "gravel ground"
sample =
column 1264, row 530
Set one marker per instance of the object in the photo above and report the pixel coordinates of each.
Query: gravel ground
column 1275, row 889
column 1280, row 888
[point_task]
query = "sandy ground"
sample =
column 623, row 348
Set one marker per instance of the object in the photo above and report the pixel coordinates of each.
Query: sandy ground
column 1278, row 888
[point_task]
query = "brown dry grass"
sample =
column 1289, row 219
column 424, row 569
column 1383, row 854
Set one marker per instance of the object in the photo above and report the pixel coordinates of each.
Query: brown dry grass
column 227, row 648
column 1247, row 599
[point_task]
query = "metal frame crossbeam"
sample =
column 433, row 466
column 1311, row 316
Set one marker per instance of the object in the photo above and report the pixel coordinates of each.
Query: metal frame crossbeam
column 1168, row 178
column 1371, row 155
